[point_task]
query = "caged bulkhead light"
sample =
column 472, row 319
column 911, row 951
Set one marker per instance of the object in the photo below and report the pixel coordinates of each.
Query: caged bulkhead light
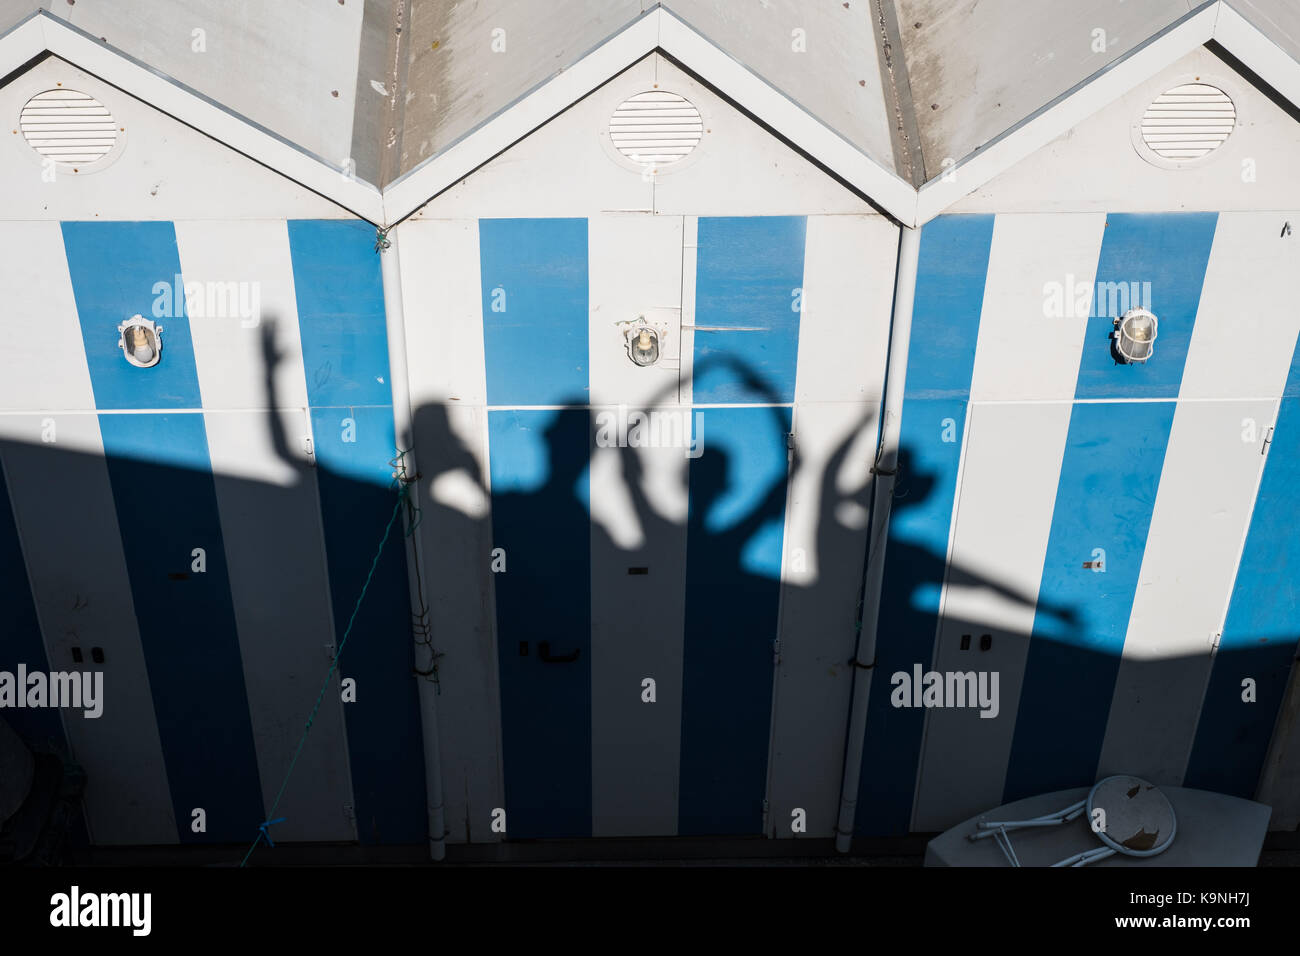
column 1135, row 335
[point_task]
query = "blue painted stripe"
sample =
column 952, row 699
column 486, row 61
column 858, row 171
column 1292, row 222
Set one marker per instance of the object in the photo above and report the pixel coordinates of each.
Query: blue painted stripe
column 735, row 526
column 1111, row 469
column 166, row 507
column 20, row 638
column 541, row 518
column 1160, row 259
column 339, row 292
column 1263, row 625
column 749, row 278
column 535, row 311
column 385, row 743
column 953, row 262
column 120, row 269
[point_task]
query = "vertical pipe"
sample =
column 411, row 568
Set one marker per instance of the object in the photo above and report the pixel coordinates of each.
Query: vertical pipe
column 891, row 417
column 405, row 436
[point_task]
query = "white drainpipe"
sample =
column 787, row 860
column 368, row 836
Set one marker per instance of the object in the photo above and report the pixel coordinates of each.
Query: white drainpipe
column 424, row 655
column 891, row 417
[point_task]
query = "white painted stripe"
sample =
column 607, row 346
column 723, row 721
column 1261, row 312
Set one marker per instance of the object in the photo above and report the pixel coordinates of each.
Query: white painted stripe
column 238, row 279
column 634, row 271
column 638, row 520
column 444, row 337
column 271, row 525
column 442, row 302
column 1011, row 466
column 1247, row 321
column 848, row 290
column 83, row 599
column 637, row 627
column 825, row 544
column 1037, row 296
column 1202, row 510
column 45, row 356
column 843, row 342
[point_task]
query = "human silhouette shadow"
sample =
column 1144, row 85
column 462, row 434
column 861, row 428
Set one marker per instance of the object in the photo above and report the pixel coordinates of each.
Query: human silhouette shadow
column 906, row 635
column 727, row 566
column 537, row 510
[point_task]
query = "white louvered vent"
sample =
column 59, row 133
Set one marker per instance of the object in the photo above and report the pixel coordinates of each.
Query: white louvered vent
column 1188, row 121
column 656, row 128
column 68, row 126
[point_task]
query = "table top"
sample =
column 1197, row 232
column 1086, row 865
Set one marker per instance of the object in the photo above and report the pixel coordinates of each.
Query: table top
column 1214, row 829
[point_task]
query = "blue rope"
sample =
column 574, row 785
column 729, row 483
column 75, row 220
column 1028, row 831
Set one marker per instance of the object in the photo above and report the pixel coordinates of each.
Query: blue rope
column 262, row 829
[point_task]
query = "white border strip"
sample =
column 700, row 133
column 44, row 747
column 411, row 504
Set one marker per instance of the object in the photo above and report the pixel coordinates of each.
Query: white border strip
column 22, row 43
column 1248, row 44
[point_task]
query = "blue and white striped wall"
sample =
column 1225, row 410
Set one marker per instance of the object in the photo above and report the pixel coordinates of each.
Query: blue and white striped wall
column 115, row 475
column 730, row 580
column 1031, row 455
column 698, row 574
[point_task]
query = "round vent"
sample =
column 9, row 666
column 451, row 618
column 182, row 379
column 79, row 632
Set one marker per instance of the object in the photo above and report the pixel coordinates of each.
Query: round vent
column 68, row 127
column 656, row 128
column 1188, row 122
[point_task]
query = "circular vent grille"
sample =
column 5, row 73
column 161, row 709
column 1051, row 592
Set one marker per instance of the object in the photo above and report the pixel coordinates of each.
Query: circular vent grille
column 68, row 127
column 1188, row 121
column 656, row 128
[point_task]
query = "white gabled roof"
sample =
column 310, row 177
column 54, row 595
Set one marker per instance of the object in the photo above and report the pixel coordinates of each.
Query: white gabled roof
column 1261, row 37
column 41, row 33
column 657, row 29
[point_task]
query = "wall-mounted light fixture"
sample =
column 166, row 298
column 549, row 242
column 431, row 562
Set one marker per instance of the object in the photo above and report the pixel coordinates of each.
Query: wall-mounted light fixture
column 1135, row 335
column 644, row 340
column 643, row 345
column 651, row 338
column 140, row 341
